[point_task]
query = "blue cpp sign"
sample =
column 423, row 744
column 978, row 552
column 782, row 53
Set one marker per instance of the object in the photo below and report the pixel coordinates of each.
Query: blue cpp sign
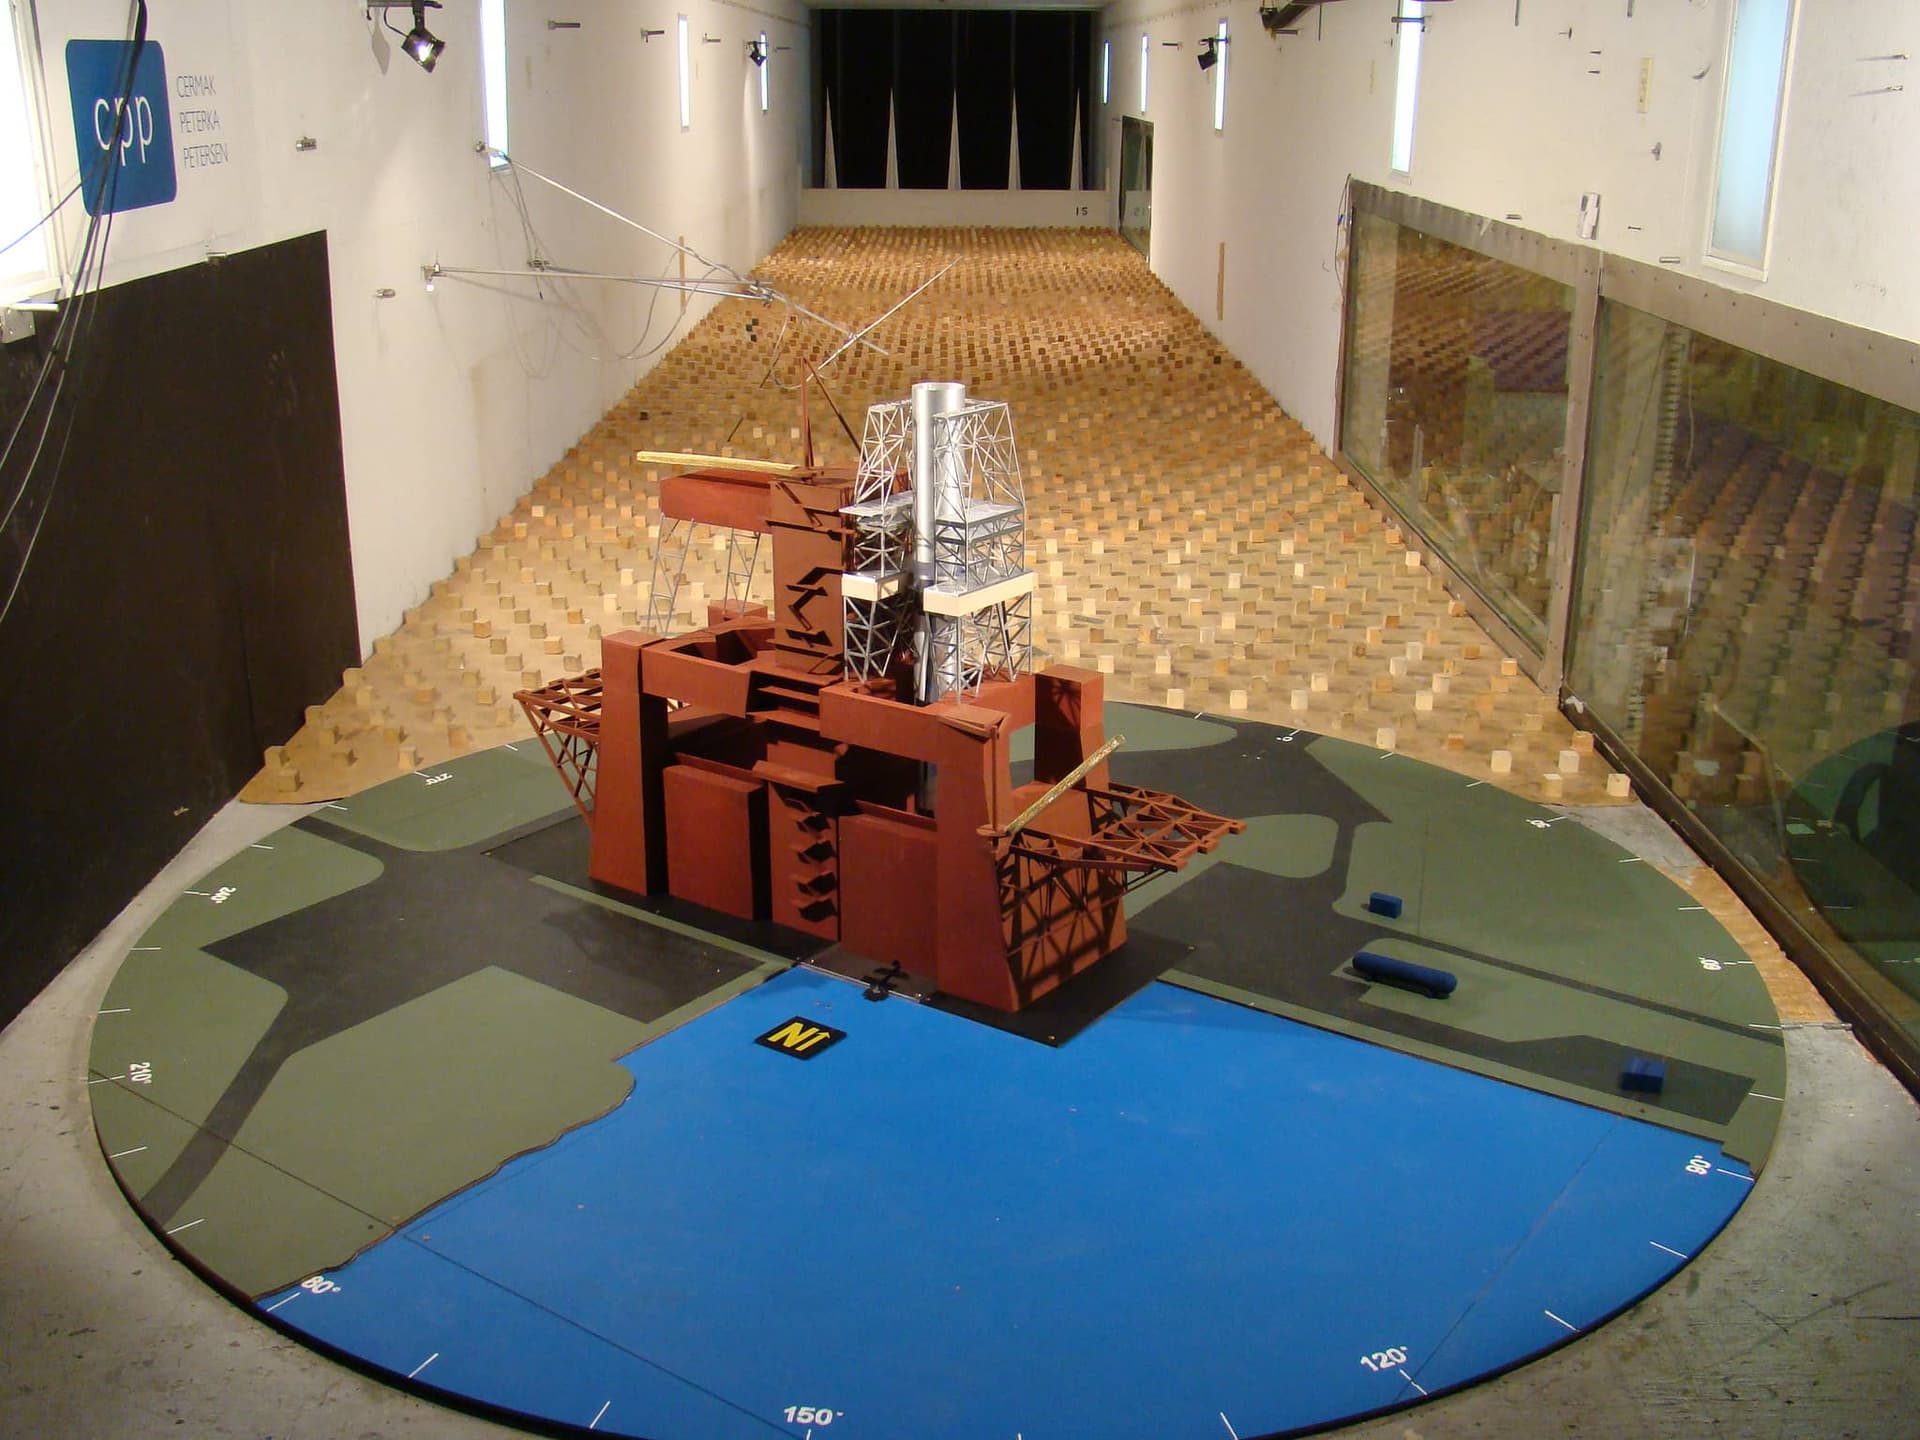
column 126, row 161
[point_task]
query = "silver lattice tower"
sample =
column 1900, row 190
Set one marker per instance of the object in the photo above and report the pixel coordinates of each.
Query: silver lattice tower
column 938, row 559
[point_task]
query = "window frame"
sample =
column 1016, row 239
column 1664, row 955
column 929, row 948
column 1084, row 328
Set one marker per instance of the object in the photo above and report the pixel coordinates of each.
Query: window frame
column 37, row 178
column 1409, row 33
column 1752, row 266
column 493, row 79
column 1220, row 78
column 683, row 45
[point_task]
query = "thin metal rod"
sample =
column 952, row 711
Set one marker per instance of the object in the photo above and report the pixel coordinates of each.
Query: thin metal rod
column 757, row 289
column 853, row 338
column 1062, row 785
column 609, row 210
column 549, row 272
column 726, row 289
column 885, row 315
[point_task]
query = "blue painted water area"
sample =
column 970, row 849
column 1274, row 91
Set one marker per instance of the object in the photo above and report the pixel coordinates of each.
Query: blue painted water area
column 1193, row 1215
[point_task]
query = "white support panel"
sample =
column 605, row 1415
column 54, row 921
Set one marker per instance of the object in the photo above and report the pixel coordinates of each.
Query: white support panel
column 971, row 602
column 870, row 588
column 895, row 507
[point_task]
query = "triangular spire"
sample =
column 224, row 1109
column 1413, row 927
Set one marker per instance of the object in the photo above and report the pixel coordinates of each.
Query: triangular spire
column 893, row 149
column 1074, row 178
column 953, row 146
column 833, row 179
column 1013, row 148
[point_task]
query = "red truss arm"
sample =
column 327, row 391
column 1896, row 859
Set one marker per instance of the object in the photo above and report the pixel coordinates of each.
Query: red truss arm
column 1136, row 832
column 566, row 717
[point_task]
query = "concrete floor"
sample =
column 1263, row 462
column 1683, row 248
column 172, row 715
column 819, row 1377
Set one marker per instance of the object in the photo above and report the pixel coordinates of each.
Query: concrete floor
column 1802, row 1319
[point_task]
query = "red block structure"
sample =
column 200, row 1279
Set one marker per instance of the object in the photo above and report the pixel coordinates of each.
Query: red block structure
column 740, row 769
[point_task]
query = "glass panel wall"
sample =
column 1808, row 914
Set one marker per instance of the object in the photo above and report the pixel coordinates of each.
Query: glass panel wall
column 1455, row 406
column 1136, row 184
column 1743, row 620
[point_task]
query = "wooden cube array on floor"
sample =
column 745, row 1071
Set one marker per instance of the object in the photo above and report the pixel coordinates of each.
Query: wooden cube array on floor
column 1191, row 541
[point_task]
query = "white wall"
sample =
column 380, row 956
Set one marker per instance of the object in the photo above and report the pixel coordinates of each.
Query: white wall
column 1014, row 209
column 452, row 403
column 1512, row 123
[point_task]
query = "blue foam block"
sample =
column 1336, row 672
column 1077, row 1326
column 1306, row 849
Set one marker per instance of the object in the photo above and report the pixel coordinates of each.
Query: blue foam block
column 1437, row 983
column 1642, row 1073
column 1381, row 903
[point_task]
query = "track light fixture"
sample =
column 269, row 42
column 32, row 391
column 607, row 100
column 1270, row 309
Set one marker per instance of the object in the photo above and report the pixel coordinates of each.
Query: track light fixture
column 421, row 43
column 757, row 51
column 1209, row 56
column 423, row 47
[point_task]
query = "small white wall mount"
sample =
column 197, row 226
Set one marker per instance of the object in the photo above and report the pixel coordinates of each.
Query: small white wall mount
column 1589, row 214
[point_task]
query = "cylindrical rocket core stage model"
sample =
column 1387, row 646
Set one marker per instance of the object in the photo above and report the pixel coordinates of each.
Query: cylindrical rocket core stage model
column 931, row 398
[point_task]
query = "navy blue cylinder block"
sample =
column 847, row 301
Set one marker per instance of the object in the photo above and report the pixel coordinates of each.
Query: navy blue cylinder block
column 1424, row 978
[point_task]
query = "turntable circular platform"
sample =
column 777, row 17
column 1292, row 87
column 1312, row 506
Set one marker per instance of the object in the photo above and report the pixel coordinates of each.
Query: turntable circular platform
column 401, row 1079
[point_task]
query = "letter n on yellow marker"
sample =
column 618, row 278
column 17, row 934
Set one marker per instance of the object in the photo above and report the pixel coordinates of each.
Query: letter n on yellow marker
column 801, row 1038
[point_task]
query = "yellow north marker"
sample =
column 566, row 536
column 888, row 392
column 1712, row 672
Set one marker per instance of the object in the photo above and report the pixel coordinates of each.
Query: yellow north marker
column 800, row 1038
column 795, row 1036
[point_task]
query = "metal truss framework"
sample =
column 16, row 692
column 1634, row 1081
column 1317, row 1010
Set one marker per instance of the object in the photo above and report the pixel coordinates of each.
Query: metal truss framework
column 670, row 568
column 878, row 602
column 1137, row 833
column 980, row 619
column 979, row 539
column 979, row 510
column 566, row 717
column 966, row 651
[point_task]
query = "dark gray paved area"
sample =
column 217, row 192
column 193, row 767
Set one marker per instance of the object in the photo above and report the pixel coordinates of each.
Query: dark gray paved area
column 1802, row 1320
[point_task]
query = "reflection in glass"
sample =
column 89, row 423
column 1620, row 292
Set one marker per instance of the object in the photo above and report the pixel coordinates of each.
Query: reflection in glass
column 1455, row 406
column 1744, row 617
column 1136, row 183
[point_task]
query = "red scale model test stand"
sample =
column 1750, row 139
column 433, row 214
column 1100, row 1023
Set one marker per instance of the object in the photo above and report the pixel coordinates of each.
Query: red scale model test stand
column 842, row 766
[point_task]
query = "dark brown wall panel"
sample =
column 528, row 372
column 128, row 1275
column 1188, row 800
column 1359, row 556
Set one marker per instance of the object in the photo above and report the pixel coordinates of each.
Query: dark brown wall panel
column 191, row 590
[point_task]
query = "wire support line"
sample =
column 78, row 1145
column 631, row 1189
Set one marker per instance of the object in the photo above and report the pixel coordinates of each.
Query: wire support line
column 58, row 206
column 73, row 323
column 884, row 316
column 731, row 289
column 516, row 167
column 685, row 249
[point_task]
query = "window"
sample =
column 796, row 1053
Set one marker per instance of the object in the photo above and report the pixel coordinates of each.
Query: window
column 1750, row 130
column 1220, row 77
column 493, row 66
column 26, row 265
column 1409, row 27
column 1143, row 72
column 686, row 86
column 765, row 57
column 1106, row 69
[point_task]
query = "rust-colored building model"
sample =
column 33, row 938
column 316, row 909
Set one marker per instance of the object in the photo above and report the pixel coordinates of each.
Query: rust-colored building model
column 842, row 766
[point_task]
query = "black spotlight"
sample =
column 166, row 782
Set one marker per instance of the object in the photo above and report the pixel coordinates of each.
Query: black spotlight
column 1209, row 55
column 420, row 43
column 757, row 51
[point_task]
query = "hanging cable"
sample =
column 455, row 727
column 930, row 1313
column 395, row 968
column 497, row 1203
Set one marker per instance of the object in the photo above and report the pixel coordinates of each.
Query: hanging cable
column 42, row 222
column 75, row 323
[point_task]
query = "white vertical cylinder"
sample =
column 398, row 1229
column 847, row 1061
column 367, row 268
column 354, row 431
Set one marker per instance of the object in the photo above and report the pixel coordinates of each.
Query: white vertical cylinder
column 931, row 399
